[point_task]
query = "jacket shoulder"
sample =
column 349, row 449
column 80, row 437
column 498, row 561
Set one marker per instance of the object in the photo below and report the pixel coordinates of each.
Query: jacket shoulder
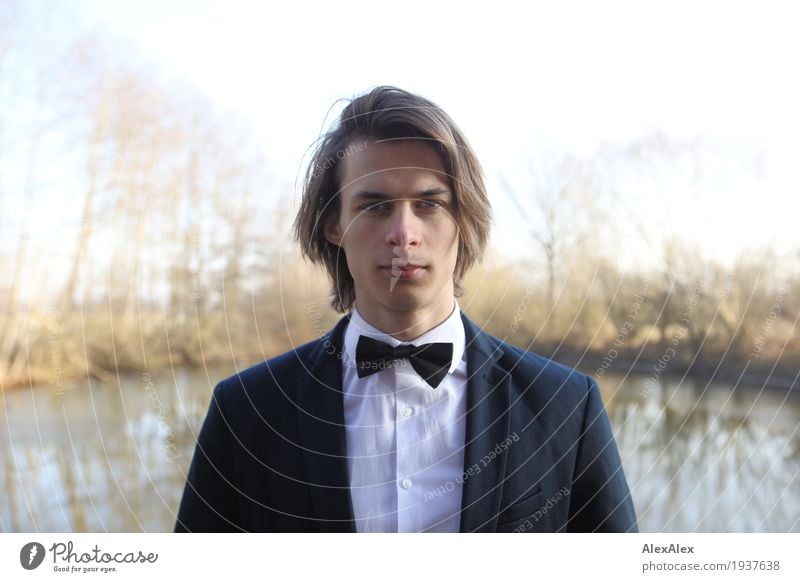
column 259, row 379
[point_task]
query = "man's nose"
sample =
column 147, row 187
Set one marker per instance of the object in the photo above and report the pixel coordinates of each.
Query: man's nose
column 404, row 226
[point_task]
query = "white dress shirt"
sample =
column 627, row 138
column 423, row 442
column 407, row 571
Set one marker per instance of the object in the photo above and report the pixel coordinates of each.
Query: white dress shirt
column 405, row 440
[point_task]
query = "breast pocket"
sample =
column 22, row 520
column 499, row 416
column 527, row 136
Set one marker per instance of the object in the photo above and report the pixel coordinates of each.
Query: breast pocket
column 520, row 510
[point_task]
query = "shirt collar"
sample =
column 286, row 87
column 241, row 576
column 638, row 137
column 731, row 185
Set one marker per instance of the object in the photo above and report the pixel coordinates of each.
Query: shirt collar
column 450, row 330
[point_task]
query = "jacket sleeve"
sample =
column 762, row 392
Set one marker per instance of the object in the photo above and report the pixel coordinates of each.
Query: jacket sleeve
column 600, row 499
column 209, row 502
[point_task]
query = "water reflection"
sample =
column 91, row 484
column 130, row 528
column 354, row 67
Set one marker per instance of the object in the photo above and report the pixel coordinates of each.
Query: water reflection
column 705, row 457
column 100, row 457
column 114, row 457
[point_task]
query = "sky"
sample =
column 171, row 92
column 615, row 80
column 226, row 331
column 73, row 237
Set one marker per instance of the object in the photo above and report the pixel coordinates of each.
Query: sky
column 522, row 80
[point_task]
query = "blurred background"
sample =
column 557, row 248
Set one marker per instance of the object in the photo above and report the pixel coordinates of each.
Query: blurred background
column 642, row 163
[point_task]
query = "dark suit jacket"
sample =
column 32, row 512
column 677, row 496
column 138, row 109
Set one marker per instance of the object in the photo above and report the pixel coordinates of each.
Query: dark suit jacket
column 540, row 455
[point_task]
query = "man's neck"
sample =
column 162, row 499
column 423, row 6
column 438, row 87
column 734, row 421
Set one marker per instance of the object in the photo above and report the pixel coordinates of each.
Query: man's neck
column 407, row 326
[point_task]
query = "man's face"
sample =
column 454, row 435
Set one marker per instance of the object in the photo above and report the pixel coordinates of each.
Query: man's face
column 397, row 228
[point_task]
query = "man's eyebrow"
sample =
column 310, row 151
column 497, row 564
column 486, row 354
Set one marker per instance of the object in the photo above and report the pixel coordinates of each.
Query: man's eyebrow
column 371, row 195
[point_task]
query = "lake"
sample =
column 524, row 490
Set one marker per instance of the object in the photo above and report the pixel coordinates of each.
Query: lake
column 113, row 457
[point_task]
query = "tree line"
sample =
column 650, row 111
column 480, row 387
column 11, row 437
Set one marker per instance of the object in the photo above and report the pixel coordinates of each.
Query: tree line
column 142, row 228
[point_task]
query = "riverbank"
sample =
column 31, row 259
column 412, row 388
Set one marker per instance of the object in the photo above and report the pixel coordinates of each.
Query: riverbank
column 733, row 370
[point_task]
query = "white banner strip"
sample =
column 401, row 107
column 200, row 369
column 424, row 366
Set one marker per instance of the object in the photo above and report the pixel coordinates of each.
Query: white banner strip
column 373, row 557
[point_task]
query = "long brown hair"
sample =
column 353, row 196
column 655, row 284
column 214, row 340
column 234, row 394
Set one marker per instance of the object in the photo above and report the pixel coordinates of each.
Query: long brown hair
column 389, row 113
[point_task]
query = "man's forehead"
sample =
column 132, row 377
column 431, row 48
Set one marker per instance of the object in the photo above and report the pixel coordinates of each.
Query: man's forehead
column 394, row 175
column 392, row 184
column 364, row 157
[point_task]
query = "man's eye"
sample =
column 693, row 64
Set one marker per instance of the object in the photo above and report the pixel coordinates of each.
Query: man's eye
column 431, row 203
column 376, row 207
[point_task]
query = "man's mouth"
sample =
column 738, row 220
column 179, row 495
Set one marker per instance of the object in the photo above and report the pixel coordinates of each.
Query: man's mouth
column 402, row 265
column 404, row 272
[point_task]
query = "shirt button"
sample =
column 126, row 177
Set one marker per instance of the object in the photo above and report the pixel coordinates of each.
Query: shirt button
column 406, row 483
column 407, row 411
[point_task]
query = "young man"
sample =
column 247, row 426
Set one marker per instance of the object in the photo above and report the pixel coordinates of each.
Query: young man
column 405, row 417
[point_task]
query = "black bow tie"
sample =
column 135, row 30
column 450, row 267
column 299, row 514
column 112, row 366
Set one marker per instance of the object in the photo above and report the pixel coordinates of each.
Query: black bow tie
column 431, row 361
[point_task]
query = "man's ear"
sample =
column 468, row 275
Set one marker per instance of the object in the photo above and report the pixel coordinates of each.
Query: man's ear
column 333, row 234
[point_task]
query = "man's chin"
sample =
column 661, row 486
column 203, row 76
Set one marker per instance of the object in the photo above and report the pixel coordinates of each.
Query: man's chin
column 404, row 296
column 404, row 299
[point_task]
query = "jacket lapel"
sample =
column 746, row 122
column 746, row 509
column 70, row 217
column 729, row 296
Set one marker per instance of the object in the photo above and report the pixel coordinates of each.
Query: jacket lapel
column 320, row 417
column 487, row 426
